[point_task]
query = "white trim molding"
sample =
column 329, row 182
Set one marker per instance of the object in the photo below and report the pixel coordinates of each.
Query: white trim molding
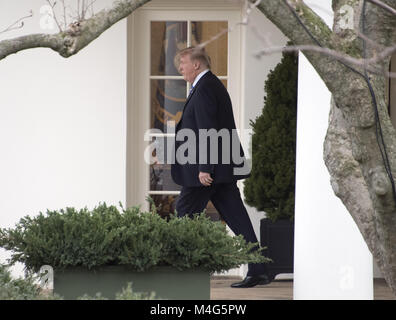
column 193, row 4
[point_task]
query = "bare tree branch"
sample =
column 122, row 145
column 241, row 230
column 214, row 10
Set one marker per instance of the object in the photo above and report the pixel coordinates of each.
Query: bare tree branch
column 64, row 13
column 90, row 5
column 11, row 27
column 77, row 36
column 245, row 21
column 53, row 14
column 384, row 6
column 77, row 15
column 368, row 63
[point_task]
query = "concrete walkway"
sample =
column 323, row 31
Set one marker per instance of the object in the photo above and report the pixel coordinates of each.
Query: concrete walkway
column 276, row 290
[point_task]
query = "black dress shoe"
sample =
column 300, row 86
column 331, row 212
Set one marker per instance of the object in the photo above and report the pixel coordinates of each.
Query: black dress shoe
column 251, row 281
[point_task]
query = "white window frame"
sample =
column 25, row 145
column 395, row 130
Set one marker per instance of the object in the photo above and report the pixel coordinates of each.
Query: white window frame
column 138, row 93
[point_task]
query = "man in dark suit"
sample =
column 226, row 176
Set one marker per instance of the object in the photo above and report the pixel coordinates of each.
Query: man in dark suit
column 209, row 171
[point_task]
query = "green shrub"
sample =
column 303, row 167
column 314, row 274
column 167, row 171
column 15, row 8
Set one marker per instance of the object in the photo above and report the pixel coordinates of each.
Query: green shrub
column 126, row 294
column 203, row 243
column 270, row 187
column 20, row 288
column 140, row 240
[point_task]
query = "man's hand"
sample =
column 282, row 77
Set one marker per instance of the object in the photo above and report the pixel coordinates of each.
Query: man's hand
column 205, row 178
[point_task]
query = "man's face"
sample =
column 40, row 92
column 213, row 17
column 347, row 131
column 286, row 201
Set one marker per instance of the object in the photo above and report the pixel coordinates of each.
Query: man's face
column 187, row 68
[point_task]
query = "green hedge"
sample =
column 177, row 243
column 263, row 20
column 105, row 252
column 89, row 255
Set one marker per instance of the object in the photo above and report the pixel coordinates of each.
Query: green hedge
column 270, row 187
column 20, row 288
column 140, row 240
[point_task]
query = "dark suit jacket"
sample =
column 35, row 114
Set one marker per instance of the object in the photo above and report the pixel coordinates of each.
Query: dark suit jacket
column 209, row 107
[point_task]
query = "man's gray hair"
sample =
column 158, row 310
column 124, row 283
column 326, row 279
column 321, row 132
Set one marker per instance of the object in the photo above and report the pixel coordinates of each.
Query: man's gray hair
column 196, row 53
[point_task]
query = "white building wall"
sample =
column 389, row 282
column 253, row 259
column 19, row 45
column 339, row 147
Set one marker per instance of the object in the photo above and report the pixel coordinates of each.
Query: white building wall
column 331, row 259
column 62, row 121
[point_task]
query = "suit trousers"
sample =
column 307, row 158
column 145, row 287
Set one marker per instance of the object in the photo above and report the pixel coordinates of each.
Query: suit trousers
column 227, row 200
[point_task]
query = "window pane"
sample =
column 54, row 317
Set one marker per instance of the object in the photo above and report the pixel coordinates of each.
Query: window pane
column 160, row 170
column 167, row 102
column 167, row 38
column 161, row 179
column 218, row 48
column 165, row 204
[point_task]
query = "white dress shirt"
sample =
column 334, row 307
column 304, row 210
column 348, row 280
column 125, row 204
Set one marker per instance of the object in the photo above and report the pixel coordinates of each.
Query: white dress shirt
column 199, row 76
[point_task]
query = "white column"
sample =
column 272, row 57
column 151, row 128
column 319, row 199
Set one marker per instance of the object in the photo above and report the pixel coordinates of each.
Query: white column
column 331, row 259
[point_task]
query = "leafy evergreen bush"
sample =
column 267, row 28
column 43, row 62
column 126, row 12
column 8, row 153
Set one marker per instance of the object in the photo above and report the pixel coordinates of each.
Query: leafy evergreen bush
column 125, row 294
column 270, row 187
column 140, row 240
column 20, row 288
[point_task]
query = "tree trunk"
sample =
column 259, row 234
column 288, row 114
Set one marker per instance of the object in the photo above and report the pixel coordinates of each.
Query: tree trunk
column 357, row 162
column 353, row 151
